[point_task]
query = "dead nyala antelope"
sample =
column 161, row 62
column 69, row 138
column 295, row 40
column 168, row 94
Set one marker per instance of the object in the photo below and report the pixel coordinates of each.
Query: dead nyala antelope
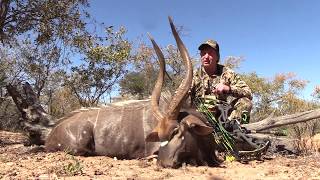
column 140, row 128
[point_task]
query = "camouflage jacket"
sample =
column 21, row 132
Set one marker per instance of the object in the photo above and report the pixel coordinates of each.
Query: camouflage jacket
column 203, row 84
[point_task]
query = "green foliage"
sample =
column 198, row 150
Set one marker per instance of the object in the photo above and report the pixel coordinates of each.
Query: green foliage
column 62, row 102
column 9, row 66
column 42, row 65
column 46, row 20
column 44, row 34
column 316, row 92
column 280, row 95
column 145, row 62
column 38, row 36
column 3, row 76
column 144, row 66
column 104, row 64
column 74, row 167
column 37, row 39
column 134, row 83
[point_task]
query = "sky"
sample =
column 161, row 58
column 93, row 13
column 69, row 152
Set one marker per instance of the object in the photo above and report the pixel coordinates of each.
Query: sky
column 273, row 36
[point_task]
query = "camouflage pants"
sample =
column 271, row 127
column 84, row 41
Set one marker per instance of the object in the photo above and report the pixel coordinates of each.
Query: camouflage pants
column 241, row 106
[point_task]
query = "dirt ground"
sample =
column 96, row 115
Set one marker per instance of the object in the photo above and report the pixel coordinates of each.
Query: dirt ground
column 20, row 162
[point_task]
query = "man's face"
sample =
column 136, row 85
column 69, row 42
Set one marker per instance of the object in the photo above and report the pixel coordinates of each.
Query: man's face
column 209, row 57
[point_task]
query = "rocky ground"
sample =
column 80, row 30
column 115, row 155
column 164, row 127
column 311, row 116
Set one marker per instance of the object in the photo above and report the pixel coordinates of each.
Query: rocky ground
column 20, row 162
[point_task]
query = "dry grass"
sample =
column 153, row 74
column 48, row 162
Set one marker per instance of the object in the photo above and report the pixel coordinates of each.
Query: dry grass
column 308, row 145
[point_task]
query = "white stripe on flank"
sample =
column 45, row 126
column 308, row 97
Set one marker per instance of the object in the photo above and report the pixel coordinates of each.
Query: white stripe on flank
column 95, row 123
column 144, row 131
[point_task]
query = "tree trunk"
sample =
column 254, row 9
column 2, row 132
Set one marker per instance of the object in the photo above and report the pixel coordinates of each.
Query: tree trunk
column 35, row 119
column 281, row 144
column 273, row 122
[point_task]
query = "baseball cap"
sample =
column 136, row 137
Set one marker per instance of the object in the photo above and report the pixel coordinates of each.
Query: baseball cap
column 211, row 43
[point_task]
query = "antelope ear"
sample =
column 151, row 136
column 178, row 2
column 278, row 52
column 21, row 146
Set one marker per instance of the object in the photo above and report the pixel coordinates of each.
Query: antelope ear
column 198, row 126
column 153, row 136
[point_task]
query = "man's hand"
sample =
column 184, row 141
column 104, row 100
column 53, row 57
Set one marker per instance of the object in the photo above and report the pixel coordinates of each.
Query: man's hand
column 221, row 89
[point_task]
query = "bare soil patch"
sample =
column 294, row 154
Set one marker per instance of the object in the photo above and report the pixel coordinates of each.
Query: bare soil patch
column 21, row 162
